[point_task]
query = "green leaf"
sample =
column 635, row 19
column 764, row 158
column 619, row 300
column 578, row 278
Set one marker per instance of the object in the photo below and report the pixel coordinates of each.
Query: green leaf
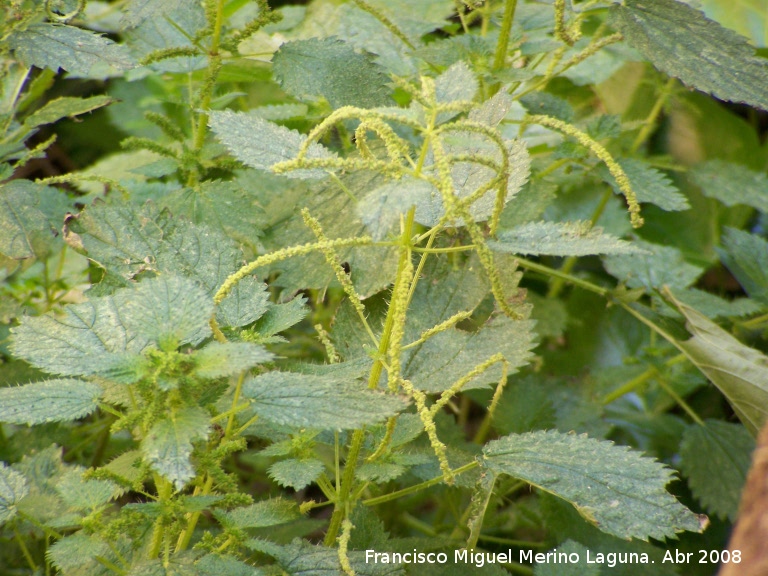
column 30, row 215
column 58, row 400
column 618, row 490
column 561, row 239
column 280, row 317
column 448, row 356
column 731, row 184
column 225, row 359
column 79, row 551
column 262, row 144
column 456, row 84
column 746, row 256
column 221, row 565
column 320, row 402
column 166, row 309
column 382, row 207
column 716, row 458
column 658, row 266
column 650, row 185
column 295, row 473
column 13, row 487
column 136, row 11
column 168, row 445
column 128, row 241
column 85, row 494
column 740, row 372
column 65, row 107
column 265, row 513
column 682, row 42
column 75, row 50
column 715, row 306
column 224, row 206
column 333, row 69
column 300, row 558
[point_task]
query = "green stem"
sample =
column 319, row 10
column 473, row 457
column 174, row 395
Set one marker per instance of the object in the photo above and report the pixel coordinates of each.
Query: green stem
column 500, row 57
column 418, row 487
column 24, row 549
column 547, row 271
column 348, row 478
column 650, row 122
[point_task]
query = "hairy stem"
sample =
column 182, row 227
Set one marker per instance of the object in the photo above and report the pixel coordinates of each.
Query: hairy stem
column 500, row 57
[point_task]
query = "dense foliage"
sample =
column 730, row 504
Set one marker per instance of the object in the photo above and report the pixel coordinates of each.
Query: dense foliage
column 282, row 285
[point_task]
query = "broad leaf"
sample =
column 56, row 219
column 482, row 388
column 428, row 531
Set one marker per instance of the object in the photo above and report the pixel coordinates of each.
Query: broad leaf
column 13, row 487
column 262, row 144
column 65, row 107
column 280, row 317
column 78, row 552
column 740, row 372
column 748, row 17
column 650, row 185
column 616, row 489
column 382, row 207
column 580, row 568
column 85, row 494
column 715, row 459
column 59, row 400
column 333, row 69
column 456, row 84
column 658, row 266
column 222, row 565
column 166, row 309
column 746, row 256
column 168, row 445
column 445, row 358
column 75, row 50
column 682, row 42
column 295, row 473
column 217, row 359
column 265, row 513
column 321, row 402
column 136, row 11
column 561, row 239
column 731, row 184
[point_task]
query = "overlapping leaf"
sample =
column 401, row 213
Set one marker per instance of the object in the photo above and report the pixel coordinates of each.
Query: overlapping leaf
column 560, row 239
column 746, row 256
column 265, row 513
column 731, row 184
column 261, row 144
column 682, row 42
column 650, row 185
column 168, row 445
column 620, row 491
column 13, row 487
column 333, row 69
column 217, row 359
column 57, row 400
column 322, row 402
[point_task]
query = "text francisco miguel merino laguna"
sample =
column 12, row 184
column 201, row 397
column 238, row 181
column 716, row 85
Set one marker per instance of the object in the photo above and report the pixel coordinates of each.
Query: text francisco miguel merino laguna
column 480, row 559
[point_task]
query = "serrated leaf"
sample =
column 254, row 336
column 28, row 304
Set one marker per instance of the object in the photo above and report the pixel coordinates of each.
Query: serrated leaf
column 748, row 17
column 29, row 217
column 262, row 144
column 658, row 266
column 618, row 490
column 740, row 372
column 65, row 107
column 225, row 359
column 85, row 494
column 13, row 487
column 561, row 239
column 166, row 309
column 731, row 184
column 682, row 42
column 716, row 458
column 274, row 112
column 382, row 207
column 78, row 551
column 320, row 402
column 221, row 565
column 746, row 256
column 295, row 473
column 650, row 185
column 128, row 241
column 579, row 568
column 281, row 317
column 456, row 84
column 333, row 69
column 168, row 445
column 300, row 558
column 136, row 11
column 265, row 513
column 716, row 307
column 448, row 356
column 58, row 400
column 75, row 50
column 223, row 206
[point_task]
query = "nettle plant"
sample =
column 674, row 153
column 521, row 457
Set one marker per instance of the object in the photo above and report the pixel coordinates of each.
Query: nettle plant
column 309, row 329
